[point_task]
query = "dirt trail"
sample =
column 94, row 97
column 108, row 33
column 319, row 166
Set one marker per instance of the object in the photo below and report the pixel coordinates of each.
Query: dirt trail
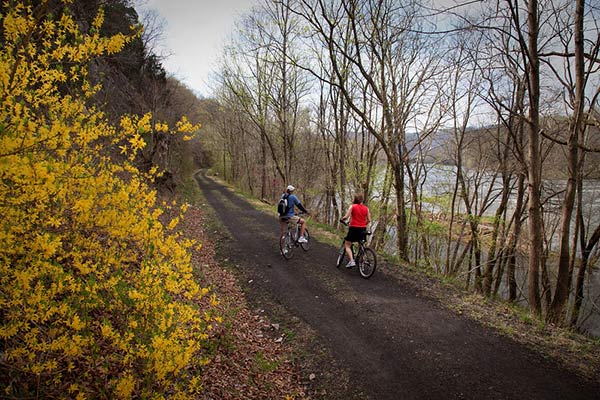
column 395, row 342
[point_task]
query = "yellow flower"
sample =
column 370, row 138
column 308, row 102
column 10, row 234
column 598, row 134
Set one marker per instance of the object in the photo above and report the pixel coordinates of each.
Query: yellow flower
column 125, row 387
column 115, row 44
column 77, row 324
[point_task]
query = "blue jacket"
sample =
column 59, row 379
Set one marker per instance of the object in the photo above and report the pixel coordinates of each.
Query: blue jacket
column 293, row 201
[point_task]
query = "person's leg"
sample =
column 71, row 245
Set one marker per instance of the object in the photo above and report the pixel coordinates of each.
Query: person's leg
column 295, row 220
column 348, row 246
column 282, row 226
column 302, row 238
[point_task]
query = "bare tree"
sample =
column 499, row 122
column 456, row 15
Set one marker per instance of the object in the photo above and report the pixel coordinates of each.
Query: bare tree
column 576, row 97
column 503, row 71
column 258, row 71
column 373, row 44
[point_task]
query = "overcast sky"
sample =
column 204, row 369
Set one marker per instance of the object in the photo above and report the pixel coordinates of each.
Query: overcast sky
column 194, row 32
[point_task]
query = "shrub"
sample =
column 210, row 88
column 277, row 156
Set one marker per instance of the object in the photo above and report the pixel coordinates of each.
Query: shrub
column 98, row 298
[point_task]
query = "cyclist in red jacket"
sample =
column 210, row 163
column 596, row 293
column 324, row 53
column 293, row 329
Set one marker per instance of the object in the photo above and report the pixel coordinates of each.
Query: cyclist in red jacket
column 360, row 217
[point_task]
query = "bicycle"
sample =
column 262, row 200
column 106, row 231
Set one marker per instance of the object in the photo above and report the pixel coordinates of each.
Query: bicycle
column 289, row 240
column 365, row 258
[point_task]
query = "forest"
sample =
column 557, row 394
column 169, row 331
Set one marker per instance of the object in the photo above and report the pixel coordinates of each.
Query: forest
column 471, row 128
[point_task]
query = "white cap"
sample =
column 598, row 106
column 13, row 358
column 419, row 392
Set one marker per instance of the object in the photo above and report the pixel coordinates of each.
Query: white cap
column 290, row 188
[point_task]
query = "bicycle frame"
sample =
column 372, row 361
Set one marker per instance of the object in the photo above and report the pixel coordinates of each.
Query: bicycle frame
column 294, row 230
column 365, row 258
column 361, row 249
column 289, row 239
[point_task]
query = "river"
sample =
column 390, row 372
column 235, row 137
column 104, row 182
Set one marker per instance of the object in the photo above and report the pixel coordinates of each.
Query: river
column 437, row 190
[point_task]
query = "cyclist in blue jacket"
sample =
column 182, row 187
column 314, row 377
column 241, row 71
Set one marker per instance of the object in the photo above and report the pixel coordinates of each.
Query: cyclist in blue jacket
column 289, row 216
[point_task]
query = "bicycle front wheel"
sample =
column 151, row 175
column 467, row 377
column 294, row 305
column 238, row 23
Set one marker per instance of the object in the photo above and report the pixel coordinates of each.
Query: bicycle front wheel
column 341, row 256
column 285, row 246
column 368, row 263
column 305, row 246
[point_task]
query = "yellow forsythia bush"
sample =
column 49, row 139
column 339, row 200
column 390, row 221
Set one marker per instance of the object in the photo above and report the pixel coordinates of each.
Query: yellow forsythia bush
column 98, row 298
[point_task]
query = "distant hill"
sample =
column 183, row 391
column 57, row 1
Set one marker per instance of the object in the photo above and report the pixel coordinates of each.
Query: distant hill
column 482, row 146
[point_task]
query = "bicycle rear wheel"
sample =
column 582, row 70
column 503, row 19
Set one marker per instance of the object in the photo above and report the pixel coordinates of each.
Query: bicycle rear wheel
column 368, row 263
column 341, row 256
column 305, row 246
column 286, row 245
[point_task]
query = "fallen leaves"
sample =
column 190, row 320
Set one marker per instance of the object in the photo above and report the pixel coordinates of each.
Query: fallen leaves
column 250, row 359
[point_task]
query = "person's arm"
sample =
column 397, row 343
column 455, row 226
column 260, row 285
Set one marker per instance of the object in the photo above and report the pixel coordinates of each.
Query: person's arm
column 368, row 216
column 301, row 207
column 296, row 201
column 345, row 217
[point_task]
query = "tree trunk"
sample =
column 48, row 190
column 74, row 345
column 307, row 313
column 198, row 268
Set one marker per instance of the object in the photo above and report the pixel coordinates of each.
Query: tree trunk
column 516, row 233
column 263, row 168
column 382, row 223
column 401, row 227
column 494, row 256
column 534, row 163
column 581, row 274
column 561, row 294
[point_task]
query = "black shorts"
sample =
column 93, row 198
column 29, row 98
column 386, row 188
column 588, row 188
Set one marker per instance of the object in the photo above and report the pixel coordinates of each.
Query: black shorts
column 356, row 234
